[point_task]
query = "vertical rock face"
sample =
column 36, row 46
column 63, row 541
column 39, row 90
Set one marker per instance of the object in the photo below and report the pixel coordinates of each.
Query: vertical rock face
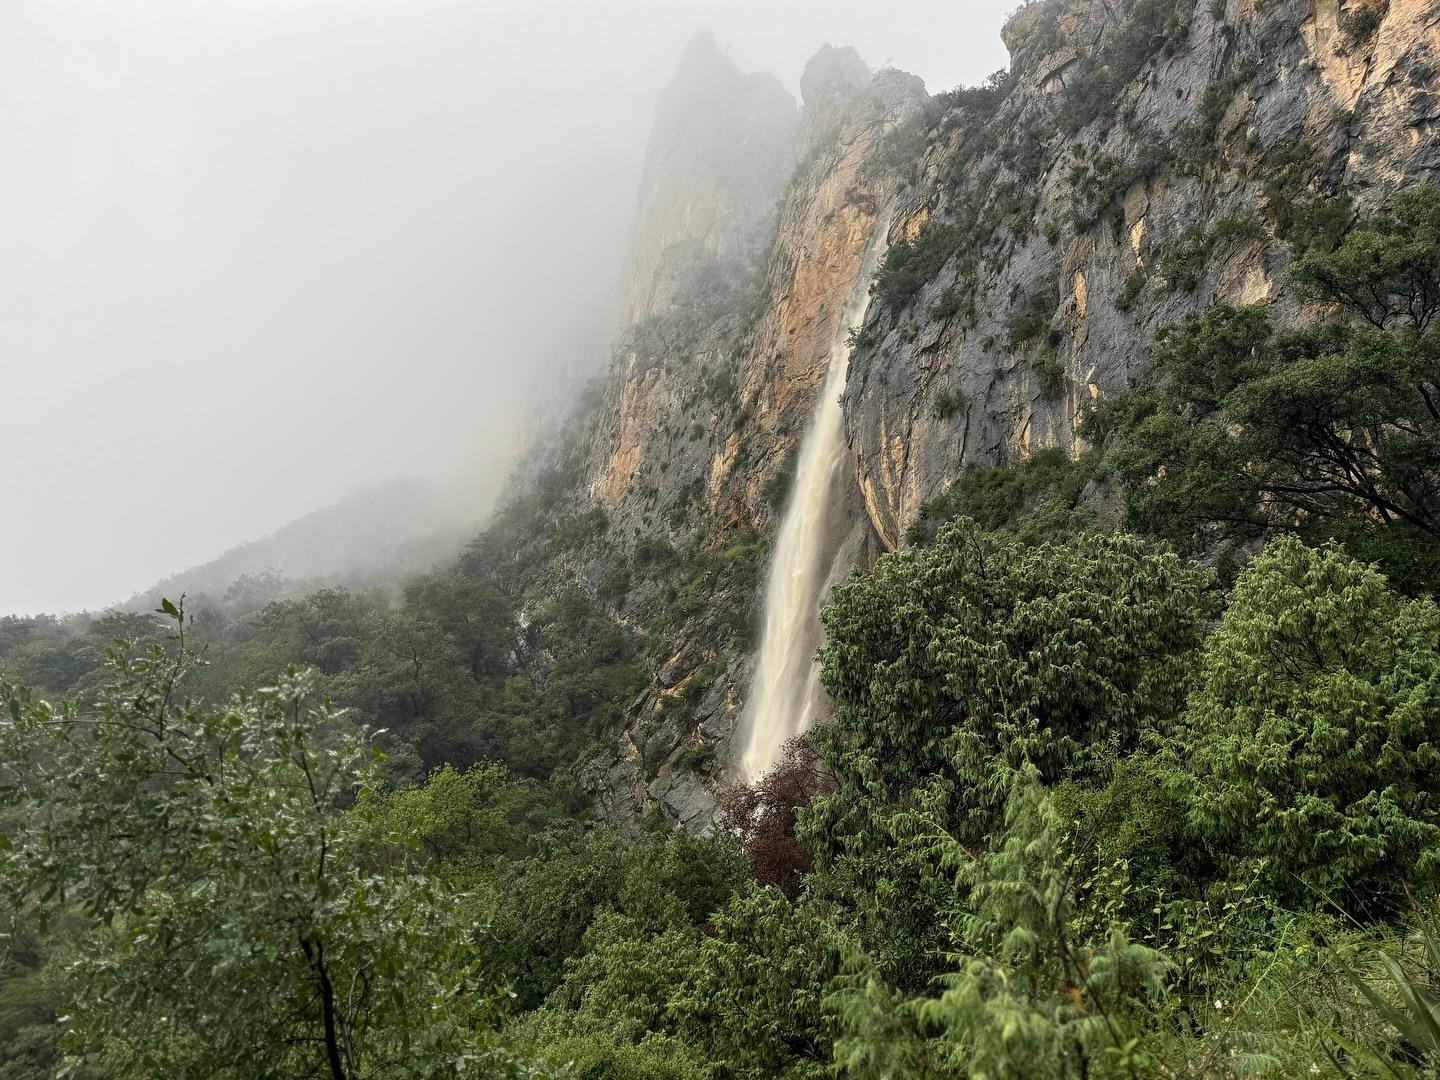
column 1239, row 125
column 713, row 384
column 723, row 146
column 1140, row 162
column 732, row 355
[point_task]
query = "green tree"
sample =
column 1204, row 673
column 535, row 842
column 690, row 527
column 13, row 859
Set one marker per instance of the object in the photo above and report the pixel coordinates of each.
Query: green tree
column 1315, row 732
column 411, row 680
column 1039, row 989
column 745, row 993
column 477, row 616
column 242, row 922
column 547, row 903
column 756, row 995
column 1387, row 271
column 951, row 667
column 462, row 823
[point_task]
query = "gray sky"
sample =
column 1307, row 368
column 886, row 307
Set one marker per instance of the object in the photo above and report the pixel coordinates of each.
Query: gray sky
column 259, row 253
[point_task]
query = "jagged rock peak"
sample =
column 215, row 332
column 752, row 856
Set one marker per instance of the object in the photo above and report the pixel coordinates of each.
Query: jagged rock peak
column 704, row 72
column 836, row 79
column 892, row 86
column 702, row 49
column 833, row 76
column 722, row 147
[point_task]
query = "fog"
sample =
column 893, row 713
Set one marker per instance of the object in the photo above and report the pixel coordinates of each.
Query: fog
column 257, row 254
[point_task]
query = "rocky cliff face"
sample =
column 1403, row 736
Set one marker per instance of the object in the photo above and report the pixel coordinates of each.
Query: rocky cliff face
column 1239, row 130
column 1139, row 162
column 710, row 391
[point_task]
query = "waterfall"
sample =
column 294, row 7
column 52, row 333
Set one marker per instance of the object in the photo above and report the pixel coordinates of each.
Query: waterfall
column 786, row 696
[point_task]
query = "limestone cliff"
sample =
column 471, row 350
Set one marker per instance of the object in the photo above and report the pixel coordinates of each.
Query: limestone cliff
column 1138, row 162
column 710, row 391
column 1239, row 128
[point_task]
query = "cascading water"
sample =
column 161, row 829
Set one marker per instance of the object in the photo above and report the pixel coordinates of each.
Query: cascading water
column 786, row 696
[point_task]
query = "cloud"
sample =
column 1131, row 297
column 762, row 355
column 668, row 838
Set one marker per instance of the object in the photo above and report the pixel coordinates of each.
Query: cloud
column 260, row 253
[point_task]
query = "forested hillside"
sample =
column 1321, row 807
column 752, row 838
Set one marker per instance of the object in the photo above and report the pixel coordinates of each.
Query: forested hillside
column 1132, row 761
column 372, row 538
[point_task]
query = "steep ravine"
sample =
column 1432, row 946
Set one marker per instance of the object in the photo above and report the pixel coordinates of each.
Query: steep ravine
column 1060, row 222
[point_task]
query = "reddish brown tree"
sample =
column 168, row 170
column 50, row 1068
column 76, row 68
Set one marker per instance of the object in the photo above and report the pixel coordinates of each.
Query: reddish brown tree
column 763, row 815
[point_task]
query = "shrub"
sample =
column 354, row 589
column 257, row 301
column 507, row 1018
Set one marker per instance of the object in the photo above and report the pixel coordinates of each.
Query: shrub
column 1360, row 23
column 997, row 498
column 947, row 403
column 979, row 103
column 1197, row 140
column 697, row 759
column 1030, row 319
column 1050, row 374
column 948, row 306
column 654, row 551
column 1183, row 267
column 1306, row 219
column 912, row 264
column 1134, row 285
column 762, row 815
column 721, row 385
column 1096, row 186
column 1318, row 223
column 756, row 999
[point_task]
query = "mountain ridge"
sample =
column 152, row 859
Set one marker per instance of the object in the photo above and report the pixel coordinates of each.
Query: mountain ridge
column 1128, row 170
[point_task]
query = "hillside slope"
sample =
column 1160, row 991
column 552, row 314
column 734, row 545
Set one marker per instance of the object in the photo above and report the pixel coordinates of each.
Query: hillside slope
column 374, row 537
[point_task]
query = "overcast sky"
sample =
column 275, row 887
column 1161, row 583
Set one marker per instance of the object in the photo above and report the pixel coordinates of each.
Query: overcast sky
column 257, row 253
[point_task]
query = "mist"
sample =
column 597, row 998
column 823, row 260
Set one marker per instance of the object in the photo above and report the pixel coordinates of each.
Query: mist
column 261, row 254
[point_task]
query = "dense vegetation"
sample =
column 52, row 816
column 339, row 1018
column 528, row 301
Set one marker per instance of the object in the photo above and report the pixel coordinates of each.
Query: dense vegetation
column 1067, row 822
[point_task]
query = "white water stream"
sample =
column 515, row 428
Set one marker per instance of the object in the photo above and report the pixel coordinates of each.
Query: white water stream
column 786, row 696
